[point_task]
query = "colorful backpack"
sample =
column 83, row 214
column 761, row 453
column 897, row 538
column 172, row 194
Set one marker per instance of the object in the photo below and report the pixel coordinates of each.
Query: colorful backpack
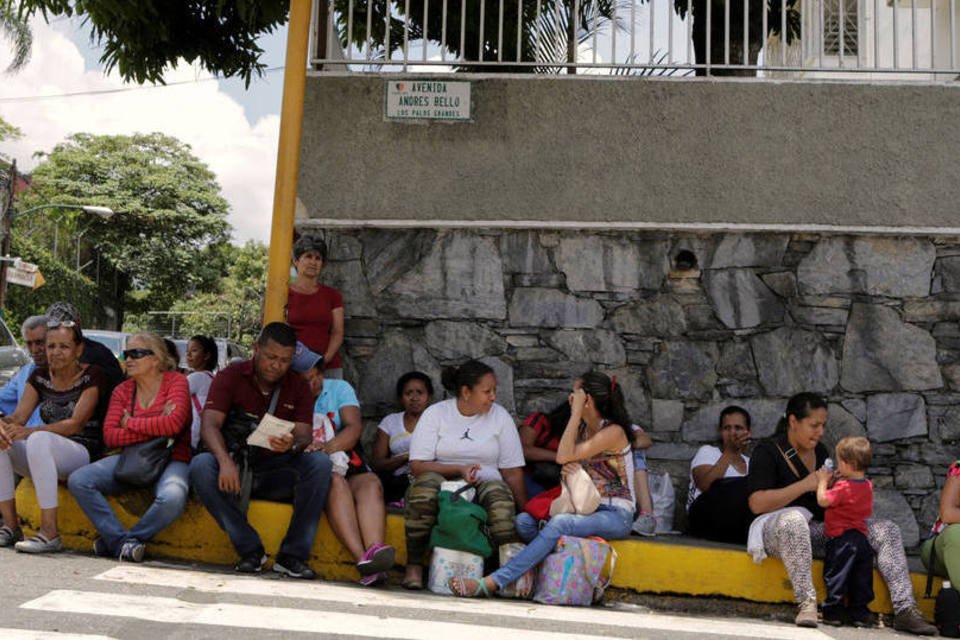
column 573, row 573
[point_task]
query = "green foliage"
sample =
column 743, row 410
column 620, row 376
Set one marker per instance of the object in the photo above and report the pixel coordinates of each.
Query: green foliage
column 142, row 39
column 17, row 31
column 237, row 301
column 170, row 216
column 9, row 131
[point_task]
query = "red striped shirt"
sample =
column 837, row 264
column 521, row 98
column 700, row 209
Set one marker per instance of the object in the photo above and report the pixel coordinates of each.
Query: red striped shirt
column 151, row 422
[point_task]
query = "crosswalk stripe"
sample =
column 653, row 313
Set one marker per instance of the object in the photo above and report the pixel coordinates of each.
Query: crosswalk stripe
column 174, row 611
column 362, row 598
column 29, row 634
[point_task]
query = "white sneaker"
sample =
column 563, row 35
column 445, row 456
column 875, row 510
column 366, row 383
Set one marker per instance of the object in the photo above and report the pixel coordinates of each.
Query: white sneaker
column 39, row 544
column 645, row 525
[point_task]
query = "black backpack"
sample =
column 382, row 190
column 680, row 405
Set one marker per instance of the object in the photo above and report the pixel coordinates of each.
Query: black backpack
column 946, row 612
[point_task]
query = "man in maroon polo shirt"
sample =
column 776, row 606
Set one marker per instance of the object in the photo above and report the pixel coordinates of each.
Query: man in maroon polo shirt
column 241, row 394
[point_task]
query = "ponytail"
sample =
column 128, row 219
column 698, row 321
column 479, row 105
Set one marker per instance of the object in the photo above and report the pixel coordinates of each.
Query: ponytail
column 607, row 396
column 466, row 375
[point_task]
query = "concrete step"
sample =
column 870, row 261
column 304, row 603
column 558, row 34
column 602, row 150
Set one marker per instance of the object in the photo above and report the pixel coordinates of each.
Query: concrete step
column 673, row 565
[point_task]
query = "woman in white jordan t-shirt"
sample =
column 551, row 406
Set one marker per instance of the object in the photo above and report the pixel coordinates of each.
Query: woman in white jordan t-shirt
column 467, row 437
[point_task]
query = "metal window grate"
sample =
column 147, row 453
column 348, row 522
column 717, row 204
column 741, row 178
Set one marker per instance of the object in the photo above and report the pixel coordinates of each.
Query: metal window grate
column 835, row 14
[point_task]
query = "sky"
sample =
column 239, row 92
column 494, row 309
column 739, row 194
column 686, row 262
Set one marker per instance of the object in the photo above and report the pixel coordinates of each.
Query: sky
column 232, row 129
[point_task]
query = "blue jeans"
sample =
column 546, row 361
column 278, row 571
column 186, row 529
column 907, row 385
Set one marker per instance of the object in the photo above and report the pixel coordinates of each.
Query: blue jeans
column 91, row 484
column 607, row 522
column 307, row 474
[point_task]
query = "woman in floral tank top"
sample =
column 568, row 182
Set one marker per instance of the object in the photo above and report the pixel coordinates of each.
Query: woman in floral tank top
column 597, row 439
column 946, row 530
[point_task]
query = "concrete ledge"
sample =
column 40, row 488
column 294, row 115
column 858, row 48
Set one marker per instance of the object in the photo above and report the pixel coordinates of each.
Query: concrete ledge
column 650, row 565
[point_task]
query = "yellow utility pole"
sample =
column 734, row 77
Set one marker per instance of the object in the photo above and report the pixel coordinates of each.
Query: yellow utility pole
column 288, row 160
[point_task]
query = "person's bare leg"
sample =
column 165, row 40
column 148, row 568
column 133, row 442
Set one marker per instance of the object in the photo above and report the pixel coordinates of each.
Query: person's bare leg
column 8, row 510
column 642, row 485
column 370, row 510
column 342, row 515
column 48, row 523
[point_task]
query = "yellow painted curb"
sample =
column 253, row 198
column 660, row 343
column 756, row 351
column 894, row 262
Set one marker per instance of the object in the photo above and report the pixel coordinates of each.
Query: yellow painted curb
column 646, row 566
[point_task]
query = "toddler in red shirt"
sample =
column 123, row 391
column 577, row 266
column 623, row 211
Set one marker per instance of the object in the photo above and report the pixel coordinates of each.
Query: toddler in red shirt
column 848, row 564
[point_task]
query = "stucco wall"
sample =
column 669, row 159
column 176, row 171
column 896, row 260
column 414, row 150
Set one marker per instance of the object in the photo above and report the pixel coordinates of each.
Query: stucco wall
column 597, row 150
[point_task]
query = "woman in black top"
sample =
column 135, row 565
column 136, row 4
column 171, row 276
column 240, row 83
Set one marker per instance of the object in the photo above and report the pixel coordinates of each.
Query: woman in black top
column 67, row 393
column 782, row 474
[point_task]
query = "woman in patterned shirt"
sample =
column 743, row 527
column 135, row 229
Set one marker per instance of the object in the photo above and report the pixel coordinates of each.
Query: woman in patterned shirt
column 154, row 402
column 946, row 531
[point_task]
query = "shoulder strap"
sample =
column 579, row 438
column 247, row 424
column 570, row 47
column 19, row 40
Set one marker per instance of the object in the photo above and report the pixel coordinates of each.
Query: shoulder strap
column 133, row 399
column 931, row 563
column 273, row 400
column 787, row 458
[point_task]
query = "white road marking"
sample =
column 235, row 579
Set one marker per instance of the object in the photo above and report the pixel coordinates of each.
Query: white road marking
column 28, row 634
column 361, row 599
column 173, row 611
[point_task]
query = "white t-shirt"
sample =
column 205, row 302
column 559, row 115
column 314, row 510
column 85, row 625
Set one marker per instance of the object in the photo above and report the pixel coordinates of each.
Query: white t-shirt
column 445, row 435
column 199, row 382
column 708, row 455
column 400, row 438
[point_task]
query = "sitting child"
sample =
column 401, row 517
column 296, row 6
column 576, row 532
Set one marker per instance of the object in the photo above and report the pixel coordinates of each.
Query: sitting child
column 848, row 564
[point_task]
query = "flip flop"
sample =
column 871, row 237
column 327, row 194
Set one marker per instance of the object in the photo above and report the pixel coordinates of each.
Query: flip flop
column 412, row 585
column 458, row 585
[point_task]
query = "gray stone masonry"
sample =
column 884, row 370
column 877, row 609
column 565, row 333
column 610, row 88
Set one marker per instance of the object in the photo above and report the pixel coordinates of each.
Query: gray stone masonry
column 871, row 322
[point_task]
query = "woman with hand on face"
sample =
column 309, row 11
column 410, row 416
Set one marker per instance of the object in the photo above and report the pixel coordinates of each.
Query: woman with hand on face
column 717, row 504
column 467, row 437
column 314, row 310
column 202, row 358
column 153, row 402
column 597, row 439
column 783, row 474
column 67, row 393
column 391, row 450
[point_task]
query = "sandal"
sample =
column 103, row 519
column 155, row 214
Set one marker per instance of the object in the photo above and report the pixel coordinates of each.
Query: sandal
column 458, row 585
column 412, row 585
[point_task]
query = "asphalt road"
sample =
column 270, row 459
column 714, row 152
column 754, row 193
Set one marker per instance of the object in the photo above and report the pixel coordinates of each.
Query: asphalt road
column 78, row 596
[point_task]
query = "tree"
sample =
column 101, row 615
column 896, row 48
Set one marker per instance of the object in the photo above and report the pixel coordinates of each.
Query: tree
column 15, row 28
column 161, row 245
column 238, row 299
column 142, row 39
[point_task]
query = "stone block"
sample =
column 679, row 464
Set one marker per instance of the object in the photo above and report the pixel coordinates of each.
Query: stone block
column 948, row 425
column 522, row 340
column 741, row 300
column 683, row 369
column 504, row 373
column 342, row 246
column 790, row 360
column 856, row 407
column 840, row 424
column 545, row 354
column 448, row 340
column 882, row 353
column 599, row 263
column 931, row 310
column 671, row 451
column 879, row 266
column 764, row 413
column 390, row 255
column 894, row 416
column 909, row 476
column 748, row 250
column 819, row 315
column 929, row 511
column 536, row 307
column 656, row 316
column 782, row 283
column 736, row 361
column 398, row 353
column 521, row 252
column 348, row 278
column 667, row 415
column 597, row 347
column 701, row 317
column 635, row 396
column 890, row 504
column 459, row 277
column 948, row 268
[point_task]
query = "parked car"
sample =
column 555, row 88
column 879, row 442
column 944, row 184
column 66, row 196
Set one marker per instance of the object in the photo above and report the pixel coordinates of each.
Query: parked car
column 12, row 357
column 227, row 351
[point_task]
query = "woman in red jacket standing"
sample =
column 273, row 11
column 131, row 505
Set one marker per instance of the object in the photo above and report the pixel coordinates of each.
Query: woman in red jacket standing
column 153, row 402
column 314, row 310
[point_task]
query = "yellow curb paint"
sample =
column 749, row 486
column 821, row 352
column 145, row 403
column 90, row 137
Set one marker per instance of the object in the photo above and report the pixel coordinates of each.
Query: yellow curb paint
column 645, row 566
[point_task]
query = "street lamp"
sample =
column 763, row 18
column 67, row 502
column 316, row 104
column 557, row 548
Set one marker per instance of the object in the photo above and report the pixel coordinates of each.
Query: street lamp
column 11, row 213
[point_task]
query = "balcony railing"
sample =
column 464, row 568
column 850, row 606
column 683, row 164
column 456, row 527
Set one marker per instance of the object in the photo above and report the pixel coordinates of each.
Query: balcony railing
column 877, row 39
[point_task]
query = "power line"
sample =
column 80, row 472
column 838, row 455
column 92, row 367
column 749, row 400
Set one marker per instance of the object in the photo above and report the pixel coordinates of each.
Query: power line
column 94, row 92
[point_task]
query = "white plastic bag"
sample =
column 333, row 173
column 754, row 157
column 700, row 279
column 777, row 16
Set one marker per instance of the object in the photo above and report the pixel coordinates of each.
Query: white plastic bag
column 453, row 485
column 663, row 496
column 323, row 432
column 447, row 563
column 526, row 582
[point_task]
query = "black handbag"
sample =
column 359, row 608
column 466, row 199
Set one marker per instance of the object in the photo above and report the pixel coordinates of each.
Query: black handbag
column 141, row 464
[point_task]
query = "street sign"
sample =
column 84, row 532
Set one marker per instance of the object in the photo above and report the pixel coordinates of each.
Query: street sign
column 427, row 100
column 25, row 273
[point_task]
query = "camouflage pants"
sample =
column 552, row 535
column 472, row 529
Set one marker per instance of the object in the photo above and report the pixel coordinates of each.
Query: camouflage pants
column 420, row 513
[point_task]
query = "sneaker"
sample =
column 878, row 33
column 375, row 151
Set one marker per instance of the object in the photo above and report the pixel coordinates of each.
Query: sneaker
column 39, row 544
column 835, row 617
column 131, row 550
column 293, row 567
column 911, row 621
column 9, row 537
column 374, row 578
column 807, row 614
column 251, row 563
column 377, row 558
column 101, row 549
column 645, row 525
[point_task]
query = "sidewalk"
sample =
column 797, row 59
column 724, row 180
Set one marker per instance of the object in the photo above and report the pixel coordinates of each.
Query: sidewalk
column 662, row 565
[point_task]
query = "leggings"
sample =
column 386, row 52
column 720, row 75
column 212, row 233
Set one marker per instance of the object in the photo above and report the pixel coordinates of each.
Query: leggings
column 44, row 457
column 790, row 538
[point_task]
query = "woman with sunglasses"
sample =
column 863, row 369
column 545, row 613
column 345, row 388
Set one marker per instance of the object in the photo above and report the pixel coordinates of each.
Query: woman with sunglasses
column 154, row 402
column 66, row 392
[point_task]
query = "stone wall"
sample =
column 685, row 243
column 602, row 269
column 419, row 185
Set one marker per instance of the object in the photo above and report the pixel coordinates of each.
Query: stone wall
column 688, row 323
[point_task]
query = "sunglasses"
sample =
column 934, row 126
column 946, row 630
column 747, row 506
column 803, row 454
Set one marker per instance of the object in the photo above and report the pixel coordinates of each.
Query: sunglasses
column 136, row 354
column 53, row 324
